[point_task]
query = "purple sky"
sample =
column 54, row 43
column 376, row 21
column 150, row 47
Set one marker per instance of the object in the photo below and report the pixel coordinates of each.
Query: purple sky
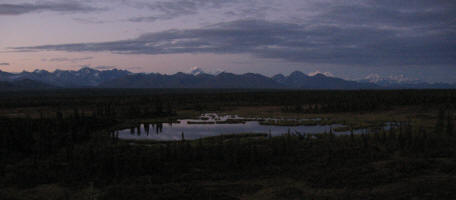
column 350, row 39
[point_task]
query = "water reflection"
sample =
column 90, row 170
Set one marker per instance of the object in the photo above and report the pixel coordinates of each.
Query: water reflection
column 213, row 125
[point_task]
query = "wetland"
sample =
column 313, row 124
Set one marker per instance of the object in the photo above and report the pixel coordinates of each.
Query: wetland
column 156, row 144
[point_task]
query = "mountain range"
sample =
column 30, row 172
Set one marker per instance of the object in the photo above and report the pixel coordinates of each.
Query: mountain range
column 114, row 78
column 400, row 82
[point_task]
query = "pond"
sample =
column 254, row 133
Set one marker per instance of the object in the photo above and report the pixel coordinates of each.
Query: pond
column 213, row 125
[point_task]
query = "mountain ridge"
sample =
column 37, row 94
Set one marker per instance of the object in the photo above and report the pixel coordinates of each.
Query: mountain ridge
column 114, row 78
column 400, row 82
column 84, row 77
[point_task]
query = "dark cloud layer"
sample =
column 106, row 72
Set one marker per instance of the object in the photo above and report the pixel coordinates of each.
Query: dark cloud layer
column 367, row 33
column 64, row 59
column 18, row 9
column 177, row 8
column 4, row 64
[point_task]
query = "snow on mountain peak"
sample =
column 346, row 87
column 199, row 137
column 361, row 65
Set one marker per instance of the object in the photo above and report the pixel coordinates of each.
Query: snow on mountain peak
column 373, row 78
column 329, row 74
column 196, row 71
column 40, row 71
column 219, row 71
column 400, row 78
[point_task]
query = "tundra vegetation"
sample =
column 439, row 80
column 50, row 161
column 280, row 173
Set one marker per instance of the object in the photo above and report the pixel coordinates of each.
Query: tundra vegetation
column 62, row 145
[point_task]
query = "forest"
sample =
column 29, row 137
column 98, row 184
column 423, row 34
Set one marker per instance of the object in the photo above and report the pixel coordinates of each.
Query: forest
column 62, row 144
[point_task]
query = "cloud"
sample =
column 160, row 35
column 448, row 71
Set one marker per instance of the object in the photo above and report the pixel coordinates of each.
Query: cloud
column 166, row 10
column 150, row 18
column 64, row 59
column 92, row 20
column 68, row 7
column 367, row 33
column 393, row 14
column 4, row 64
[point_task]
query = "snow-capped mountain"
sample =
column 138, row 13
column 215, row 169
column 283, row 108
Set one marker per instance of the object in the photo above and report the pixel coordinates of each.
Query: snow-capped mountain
column 393, row 79
column 196, row 71
column 197, row 78
column 299, row 80
column 84, row 77
column 402, row 82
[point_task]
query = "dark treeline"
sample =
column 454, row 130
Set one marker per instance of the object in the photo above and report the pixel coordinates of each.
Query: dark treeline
column 38, row 138
column 290, row 100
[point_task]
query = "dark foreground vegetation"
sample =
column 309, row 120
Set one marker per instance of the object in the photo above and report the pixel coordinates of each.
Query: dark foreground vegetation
column 61, row 146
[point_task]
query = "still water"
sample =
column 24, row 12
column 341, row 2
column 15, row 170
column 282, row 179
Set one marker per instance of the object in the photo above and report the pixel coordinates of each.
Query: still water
column 214, row 125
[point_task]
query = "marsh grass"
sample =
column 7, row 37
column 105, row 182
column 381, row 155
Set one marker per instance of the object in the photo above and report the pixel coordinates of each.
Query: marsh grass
column 232, row 121
column 200, row 122
column 290, row 122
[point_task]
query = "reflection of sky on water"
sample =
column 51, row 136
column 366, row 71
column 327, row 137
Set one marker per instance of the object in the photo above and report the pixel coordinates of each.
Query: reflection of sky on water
column 168, row 131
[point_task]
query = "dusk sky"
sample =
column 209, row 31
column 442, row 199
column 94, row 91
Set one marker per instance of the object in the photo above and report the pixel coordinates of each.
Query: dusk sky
column 351, row 39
